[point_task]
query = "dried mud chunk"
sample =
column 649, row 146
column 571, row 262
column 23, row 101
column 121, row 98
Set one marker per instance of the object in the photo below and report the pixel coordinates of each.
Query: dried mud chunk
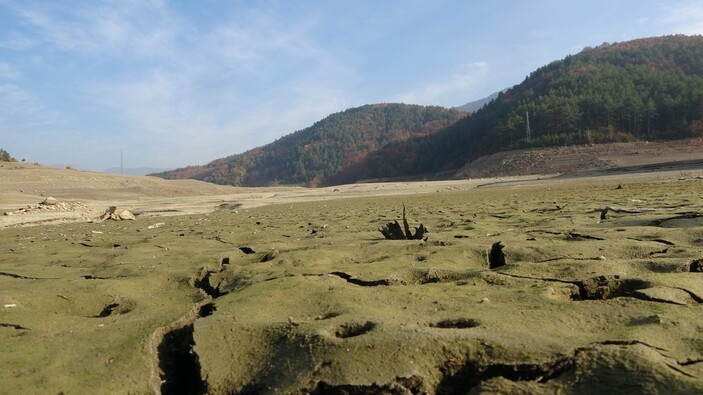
column 352, row 329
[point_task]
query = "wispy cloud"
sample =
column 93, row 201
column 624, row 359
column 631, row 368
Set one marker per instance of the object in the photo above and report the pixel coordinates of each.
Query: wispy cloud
column 684, row 18
column 20, row 112
column 7, row 71
column 199, row 90
column 134, row 26
column 449, row 90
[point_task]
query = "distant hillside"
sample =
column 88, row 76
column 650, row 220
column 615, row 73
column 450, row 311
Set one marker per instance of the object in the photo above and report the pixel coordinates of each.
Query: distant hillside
column 477, row 104
column 647, row 89
column 333, row 150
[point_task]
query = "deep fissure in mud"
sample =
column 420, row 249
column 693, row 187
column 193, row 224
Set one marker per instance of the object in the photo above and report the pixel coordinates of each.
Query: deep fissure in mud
column 207, row 310
column 179, row 364
column 203, row 282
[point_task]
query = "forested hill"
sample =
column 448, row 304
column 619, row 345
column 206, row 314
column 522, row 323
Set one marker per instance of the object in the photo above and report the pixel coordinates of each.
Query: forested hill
column 332, row 150
column 646, row 89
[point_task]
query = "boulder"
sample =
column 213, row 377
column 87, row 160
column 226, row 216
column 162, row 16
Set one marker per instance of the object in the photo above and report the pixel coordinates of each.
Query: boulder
column 50, row 201
column 125, row 215
column 116, row 214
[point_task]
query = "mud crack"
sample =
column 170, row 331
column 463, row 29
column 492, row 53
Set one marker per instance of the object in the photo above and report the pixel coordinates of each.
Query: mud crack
column 458, row 323
column 13, row 275
column 175, row 364
column 460, row 379
column 14, row 326
column 399, row 386
column 473, row 373
column 179, row 364
column 609, row 287
column 365, row 283
column 202, row 282
column 175, row 367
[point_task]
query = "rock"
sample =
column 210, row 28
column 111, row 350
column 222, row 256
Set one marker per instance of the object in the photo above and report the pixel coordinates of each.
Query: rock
column 50, row 201
column 126, row 215
column 116, row 214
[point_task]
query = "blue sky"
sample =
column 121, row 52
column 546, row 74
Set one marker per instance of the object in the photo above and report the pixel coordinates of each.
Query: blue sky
column 177, row 83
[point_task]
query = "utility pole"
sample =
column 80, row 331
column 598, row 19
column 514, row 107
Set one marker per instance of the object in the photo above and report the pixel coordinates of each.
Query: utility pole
column 527, row 125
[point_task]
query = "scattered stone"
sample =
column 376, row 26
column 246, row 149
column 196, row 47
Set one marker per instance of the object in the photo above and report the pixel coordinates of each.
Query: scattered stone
column 126, row 215
column 50, row 204
column 116, row 214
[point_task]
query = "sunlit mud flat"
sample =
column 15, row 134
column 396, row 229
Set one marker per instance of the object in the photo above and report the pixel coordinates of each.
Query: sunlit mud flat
column 311, row 298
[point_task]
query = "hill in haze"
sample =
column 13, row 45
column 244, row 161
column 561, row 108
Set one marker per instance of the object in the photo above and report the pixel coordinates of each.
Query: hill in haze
column 332, row 150
column 646, row 89
column 477, row 104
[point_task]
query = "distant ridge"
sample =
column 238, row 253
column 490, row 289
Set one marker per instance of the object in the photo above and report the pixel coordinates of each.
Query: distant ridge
column 136, row 171
column 478, row 104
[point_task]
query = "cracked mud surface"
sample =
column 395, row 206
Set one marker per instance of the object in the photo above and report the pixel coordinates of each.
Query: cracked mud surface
column 580, row 306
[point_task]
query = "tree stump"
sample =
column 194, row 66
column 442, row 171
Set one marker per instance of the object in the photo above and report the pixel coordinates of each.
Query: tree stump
column 393, row 230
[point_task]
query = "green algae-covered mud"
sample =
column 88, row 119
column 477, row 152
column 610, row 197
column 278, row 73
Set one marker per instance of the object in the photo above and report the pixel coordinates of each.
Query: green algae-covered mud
column 310, row 298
